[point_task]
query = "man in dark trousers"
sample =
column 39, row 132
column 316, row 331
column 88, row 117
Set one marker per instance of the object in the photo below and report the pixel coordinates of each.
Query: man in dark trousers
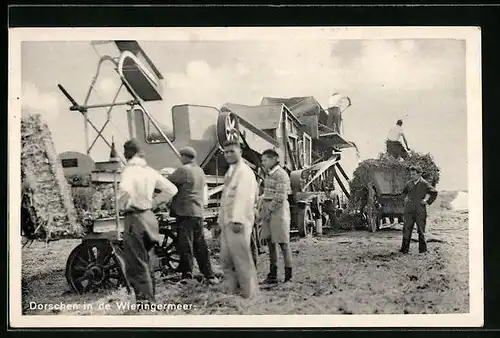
column 138, row 183
column 419, row 193
column 394, row 145
column 188, row 208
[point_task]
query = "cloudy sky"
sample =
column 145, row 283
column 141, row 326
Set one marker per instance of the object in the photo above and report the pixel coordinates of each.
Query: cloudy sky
column 421, row 81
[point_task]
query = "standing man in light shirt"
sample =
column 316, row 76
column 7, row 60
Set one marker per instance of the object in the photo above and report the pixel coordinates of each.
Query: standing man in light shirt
column 394, row 146
column 138, row 184
column 236, row 220
column 188, row 208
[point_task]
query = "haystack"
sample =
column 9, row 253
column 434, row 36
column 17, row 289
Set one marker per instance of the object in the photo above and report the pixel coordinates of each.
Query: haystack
column 47, row 195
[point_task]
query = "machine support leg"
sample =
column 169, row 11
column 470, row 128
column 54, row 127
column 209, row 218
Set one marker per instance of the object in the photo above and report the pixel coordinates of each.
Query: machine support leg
column 341, row 184
column 342, row 172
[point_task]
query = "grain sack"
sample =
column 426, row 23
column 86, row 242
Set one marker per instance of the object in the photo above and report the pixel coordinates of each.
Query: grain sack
column 46, row 194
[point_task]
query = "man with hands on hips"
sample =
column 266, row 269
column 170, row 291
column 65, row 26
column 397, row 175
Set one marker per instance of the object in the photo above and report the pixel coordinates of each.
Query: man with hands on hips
column 418, row 194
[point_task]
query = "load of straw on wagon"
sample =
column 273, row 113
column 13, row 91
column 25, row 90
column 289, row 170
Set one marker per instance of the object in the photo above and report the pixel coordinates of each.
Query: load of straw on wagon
column 377, row 186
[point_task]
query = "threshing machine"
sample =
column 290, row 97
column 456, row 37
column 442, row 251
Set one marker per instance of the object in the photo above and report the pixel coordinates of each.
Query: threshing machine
column 297, row 128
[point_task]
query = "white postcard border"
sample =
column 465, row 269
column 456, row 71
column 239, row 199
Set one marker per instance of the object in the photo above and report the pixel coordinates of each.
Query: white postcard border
column 472, row 35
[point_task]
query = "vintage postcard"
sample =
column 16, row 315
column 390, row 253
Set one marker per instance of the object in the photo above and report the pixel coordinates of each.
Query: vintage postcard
column 245, row 177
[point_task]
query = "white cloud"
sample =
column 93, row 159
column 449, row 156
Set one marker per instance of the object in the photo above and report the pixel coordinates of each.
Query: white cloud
column 34, row 101
column 198, row 69
column 242, row 68
column 395, row 66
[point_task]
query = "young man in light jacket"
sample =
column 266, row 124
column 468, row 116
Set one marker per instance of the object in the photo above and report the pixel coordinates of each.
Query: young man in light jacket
column 236, row 220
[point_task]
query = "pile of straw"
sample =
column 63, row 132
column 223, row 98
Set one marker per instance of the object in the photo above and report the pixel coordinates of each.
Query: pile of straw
column 93, row 202
column 46, row 194
column 79, row 180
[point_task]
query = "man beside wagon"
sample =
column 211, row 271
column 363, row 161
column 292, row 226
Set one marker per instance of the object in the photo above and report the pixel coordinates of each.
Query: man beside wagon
column 418, row 195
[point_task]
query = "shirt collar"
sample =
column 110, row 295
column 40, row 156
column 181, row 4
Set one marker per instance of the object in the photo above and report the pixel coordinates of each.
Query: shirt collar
column 136, row 160
column 273, row 170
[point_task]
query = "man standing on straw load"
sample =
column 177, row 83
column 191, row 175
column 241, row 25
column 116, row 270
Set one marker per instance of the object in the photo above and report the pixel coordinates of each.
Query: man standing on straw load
column 188, row 208
column 274, row 215
column 394, row 146
column 416, row 200
column 236, row 220
column 137, row 186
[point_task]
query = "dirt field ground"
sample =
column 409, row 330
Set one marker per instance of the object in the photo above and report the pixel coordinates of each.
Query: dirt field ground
column 338, row 273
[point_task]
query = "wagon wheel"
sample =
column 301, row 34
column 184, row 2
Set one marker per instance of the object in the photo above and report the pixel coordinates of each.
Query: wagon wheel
column 372, row 212
column 261, row 241
column 373, row 219
column 94, row 266
column 168, row 251
column 305, row 221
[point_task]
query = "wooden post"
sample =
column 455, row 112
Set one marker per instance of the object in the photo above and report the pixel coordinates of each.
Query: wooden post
column 117, row 208
column 114, row 159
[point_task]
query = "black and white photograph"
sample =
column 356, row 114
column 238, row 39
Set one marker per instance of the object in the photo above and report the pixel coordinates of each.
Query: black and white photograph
column 286, row 176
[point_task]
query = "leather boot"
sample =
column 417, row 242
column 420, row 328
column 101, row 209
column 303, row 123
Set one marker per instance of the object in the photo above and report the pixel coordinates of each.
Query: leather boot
column 288, row 274
column 272, row 276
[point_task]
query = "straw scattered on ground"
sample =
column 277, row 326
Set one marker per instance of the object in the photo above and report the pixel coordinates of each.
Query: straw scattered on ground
column 340, row 273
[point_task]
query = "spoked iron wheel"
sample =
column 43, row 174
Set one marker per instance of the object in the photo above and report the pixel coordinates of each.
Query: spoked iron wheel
column 374, row 222
column 373, row 212
column 305, row 221
column 231, row 128
column 373, row 218
column 93, row 267
column 227, row 127
column 167, row 252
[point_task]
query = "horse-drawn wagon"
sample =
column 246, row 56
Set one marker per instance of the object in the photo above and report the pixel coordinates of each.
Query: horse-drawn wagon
column 377, row 187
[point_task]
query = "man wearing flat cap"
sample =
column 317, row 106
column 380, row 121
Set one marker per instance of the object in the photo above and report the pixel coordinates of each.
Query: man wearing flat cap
column 188, row 208
column 136, row 198
column 418, row 194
